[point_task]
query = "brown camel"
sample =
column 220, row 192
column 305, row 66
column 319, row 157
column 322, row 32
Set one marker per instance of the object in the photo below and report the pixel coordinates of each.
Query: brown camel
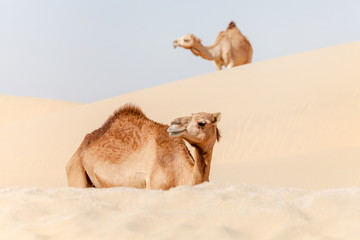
column 131, row 150
column 230, row 49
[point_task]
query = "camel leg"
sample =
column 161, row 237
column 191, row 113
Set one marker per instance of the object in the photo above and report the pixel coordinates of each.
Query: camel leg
column 230, row 65
column 76, row 174
column 228, row 60
column 218, row 65
column 147, row 183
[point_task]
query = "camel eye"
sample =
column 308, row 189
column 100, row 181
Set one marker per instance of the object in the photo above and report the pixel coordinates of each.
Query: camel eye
column 186, row 40
column 201, row 124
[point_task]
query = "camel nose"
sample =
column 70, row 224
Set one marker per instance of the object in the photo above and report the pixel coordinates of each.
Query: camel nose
column 175, row 43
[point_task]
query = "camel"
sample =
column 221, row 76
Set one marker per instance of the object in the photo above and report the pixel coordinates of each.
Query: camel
column 230, row 49
column 130, row 150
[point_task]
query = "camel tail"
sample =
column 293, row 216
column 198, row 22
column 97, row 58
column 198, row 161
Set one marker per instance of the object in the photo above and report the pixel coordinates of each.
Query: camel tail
column 250, row 57
column 249, row 60
column 231, row 25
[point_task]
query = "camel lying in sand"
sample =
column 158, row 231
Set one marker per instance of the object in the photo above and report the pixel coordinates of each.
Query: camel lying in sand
column 131, row 150
column 230, row 49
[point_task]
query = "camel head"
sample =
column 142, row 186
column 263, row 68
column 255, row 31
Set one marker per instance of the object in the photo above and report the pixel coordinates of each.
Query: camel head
column 186, row 41
column 199, row 129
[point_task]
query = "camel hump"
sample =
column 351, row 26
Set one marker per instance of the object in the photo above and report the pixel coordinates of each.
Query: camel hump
column 231, row 25
column 126, row 110
column 129, row 109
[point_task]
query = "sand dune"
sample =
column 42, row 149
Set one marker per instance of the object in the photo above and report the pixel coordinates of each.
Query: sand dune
column 297, row 115
column 16, row 109
column 286, row 168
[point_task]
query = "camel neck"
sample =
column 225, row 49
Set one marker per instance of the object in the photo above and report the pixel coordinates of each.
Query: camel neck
column 202, row 164
column 208, row 53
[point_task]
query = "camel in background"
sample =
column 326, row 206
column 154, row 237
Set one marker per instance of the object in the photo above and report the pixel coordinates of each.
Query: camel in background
column 230, row 49
column 130, row 150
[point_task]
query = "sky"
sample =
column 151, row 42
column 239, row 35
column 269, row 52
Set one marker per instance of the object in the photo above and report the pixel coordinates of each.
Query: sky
column 89, row 50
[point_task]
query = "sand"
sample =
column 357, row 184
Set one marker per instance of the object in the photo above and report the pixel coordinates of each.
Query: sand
column 17, row 109
column 208, row 211
column 286, row 167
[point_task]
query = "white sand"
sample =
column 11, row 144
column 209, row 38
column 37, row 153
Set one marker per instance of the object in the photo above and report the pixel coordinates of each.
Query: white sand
column 291, row 122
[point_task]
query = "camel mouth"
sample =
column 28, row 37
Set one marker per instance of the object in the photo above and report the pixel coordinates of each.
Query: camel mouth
column 175, row 132
column 175, row 44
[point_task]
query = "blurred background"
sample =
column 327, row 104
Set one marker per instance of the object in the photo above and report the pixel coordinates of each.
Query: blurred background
column 87, row 50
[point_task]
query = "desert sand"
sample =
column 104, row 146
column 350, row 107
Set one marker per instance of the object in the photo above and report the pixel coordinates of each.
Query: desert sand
column 17, row 109
column 286, row 167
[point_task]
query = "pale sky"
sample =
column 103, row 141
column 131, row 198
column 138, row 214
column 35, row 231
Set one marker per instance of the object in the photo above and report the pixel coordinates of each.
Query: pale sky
column 88, row 50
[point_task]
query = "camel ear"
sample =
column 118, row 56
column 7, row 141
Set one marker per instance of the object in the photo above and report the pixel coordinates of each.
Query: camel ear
column 216, row 117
